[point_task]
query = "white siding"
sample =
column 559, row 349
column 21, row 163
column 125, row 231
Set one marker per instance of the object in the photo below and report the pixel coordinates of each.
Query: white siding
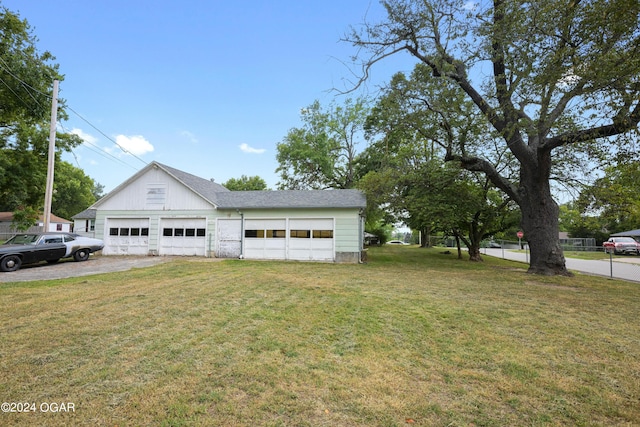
column 155, row 190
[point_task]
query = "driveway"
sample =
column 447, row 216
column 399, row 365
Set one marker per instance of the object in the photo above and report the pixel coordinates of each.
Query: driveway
column 96, row 264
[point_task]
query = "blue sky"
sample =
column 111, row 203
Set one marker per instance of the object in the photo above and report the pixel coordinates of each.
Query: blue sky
column 206, row 86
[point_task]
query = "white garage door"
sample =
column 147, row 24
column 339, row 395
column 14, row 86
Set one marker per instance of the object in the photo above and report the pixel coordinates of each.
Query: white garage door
column 311, row 239
column 183, row 236
column 265, row 238
column 228, row 238
column 126, row 236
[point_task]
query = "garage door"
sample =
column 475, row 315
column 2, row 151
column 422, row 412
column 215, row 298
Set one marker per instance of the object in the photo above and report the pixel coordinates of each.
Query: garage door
column 126, row 236
column 311, row 239
column 183, row 236
column 228, row 238
column 265, row 238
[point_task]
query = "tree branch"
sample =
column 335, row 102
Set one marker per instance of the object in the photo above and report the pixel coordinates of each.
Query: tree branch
column 476, row 164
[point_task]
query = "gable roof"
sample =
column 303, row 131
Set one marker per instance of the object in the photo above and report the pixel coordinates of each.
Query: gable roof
column 223, row 198
column 296, row 199
column 205, row 188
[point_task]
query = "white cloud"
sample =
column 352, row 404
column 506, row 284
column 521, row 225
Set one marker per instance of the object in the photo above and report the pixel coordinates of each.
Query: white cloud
column 247, row 149
column 188, row 135
column 135, row 144
column 84, row 136
column 470, row 6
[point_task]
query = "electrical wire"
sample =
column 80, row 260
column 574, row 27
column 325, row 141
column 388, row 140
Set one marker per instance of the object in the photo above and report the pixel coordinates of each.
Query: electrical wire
column 97, row 149
column 27, row 86
column 104, row 134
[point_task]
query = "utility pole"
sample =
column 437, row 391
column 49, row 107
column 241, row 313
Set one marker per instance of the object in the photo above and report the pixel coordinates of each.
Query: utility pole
column 48, row 196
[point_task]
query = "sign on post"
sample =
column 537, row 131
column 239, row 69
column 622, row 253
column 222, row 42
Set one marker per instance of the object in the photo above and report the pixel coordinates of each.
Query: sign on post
column 520, row 235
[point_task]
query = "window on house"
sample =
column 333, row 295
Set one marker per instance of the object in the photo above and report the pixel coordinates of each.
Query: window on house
column 300, row 234
column 113, row 232
column 200, row 232
column 144, row 231
column 124, row 231
column 58, row 227
column 190, row 232
column 178, row 232
column 167, row 232
column 256, row 234
column 323, row 234
column 276, row 234
column 135, row 231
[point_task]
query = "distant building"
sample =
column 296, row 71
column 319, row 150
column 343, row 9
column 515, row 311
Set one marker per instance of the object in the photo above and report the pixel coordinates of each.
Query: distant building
column 7, row 229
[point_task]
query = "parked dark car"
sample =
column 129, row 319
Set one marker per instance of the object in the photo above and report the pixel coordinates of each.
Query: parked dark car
column 621, row 245
column 31, row 248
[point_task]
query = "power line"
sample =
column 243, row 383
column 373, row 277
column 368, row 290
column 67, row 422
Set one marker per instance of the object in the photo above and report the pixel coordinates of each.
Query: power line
column 104, row 134
column 27, row 86
column 98, row 150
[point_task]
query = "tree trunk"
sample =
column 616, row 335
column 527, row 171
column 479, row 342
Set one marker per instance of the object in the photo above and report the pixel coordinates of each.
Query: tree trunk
column 475, row 239
column 541, row 225
column 458, row 246
column 474, row 253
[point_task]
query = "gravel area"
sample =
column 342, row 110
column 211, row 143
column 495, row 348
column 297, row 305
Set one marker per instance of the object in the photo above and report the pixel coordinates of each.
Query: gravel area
column 96, row 264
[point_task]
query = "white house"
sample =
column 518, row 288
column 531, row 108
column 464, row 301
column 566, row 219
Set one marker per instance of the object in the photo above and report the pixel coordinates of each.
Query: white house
column 165, row 211
column 55, row 224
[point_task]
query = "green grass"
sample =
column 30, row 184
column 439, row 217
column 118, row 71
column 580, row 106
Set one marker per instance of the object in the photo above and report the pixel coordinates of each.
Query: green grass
column 413, row 337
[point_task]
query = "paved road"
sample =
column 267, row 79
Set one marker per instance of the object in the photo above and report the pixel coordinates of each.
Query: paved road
column 625, row 267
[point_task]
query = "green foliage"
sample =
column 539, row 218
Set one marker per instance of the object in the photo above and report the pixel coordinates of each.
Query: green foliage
column 73, row 190
column 246, row 183
column 27, row 77
column 322, row 153
column 580, row 225
column 556, row 82
column 614, row 198
column 24, row 218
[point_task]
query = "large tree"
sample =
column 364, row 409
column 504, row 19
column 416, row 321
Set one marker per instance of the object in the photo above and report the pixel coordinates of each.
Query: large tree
column 26, row 86
column 545, row 75
column 321, row 154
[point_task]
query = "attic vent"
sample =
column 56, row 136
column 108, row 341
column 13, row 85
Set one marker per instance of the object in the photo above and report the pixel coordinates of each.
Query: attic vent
column 156, row 195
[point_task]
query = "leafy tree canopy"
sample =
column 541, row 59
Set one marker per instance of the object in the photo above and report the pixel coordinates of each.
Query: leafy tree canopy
column 544, row 77
column 26, row 77
column 321, row 154
column 246, row 183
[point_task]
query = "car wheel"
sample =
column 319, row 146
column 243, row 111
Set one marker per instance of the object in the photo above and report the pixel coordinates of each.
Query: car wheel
column 81, row 255
column 10, row 263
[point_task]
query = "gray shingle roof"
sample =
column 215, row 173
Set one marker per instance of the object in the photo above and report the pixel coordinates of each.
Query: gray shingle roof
column 298, row 199
column 205, row 187
column 222, row 198
column 85, row 214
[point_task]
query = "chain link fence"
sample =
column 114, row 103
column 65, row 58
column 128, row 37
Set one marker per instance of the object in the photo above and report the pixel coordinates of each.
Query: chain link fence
column 579, row 257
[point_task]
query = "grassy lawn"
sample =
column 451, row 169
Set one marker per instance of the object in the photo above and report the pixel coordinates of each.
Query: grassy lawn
column 414, row 337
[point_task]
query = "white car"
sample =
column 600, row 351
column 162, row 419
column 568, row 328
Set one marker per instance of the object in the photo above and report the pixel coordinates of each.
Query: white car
column 396, row 242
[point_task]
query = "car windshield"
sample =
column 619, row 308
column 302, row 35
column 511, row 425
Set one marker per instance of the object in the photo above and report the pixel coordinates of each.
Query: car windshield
column 624, row 239
column 22, row 239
